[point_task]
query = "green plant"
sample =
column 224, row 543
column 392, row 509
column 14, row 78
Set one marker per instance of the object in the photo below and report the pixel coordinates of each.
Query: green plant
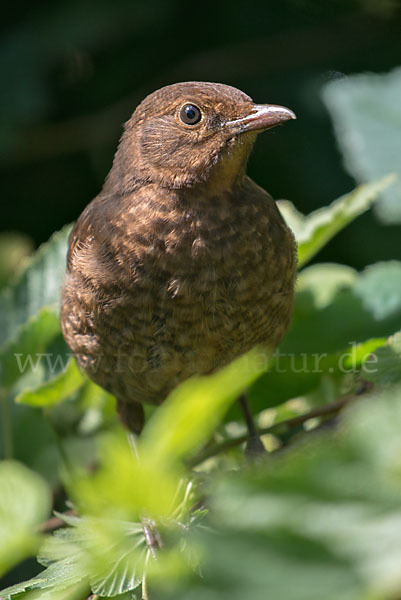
column 184, row 517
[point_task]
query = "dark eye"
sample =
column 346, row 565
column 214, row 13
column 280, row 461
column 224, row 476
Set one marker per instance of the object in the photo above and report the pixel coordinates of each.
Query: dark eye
column 190, row 114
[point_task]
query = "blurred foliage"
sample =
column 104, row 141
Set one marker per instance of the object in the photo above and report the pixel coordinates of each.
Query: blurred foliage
column 14, row 248
column 367, row 116
column 182, row 515
column 24, row 503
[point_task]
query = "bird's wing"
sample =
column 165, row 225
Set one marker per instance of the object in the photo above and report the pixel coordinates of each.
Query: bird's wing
column 93, row 219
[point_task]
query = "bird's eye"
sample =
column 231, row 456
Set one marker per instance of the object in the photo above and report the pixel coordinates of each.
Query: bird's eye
column 190, row 114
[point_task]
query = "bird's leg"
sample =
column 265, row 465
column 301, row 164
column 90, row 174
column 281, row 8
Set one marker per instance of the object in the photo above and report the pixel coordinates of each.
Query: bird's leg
column 132, row 416
column 254, row 446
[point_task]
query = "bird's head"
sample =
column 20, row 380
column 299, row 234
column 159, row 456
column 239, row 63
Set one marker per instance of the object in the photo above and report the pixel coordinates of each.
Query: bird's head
column 193, row 133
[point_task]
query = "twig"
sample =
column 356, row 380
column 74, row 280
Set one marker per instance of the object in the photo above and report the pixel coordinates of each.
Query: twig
column 55, row 523
column 281, row 427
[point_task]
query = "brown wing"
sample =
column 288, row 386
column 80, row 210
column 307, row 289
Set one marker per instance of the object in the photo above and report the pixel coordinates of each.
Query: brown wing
column 91, row 222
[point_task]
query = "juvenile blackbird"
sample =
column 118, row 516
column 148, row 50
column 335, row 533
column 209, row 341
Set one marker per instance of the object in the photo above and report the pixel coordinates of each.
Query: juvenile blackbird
column 181, row 263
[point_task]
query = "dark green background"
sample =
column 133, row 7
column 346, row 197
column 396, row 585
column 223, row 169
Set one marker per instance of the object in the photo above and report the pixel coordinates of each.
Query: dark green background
column 73, row 71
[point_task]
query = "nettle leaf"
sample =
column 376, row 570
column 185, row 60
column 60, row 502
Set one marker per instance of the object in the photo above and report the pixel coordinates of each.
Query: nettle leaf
column 56, row 390
column 313, row 231
column 64, row 556
column 24, row 503
column 366, row 113
column 108, row 553
column 60, row 580
column 118, row 558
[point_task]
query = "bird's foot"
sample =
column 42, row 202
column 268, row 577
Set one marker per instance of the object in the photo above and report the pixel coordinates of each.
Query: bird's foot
column 254, row 449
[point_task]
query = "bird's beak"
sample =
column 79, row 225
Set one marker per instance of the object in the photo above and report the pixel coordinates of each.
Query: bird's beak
column 261, row 117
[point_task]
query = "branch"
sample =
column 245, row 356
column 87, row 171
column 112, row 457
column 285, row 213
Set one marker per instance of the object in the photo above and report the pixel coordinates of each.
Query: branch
column 55, row 523
column 278, row 428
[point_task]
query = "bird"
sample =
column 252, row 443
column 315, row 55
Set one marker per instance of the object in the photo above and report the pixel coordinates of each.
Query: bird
column 181, row 263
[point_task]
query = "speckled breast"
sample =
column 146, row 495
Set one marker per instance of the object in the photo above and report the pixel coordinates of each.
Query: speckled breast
column 159, row 291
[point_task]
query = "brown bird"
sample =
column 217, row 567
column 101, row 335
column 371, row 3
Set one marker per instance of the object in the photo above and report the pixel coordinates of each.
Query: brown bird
column 181, row 263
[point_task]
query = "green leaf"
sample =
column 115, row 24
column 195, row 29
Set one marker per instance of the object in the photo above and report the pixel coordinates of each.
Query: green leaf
column 51, row 584
column 106, row 553
column 38, row 286
column 386, row 368
column 379, row 288
column 339, row 320
column 125, row 572
column 366, row 113
column 316, row 229
column 24, row 503
column 320, row 520
column 24, row 353
column 56, row 390
column 192, row 412
column 328, row 317
column 123, row 488
column 291, row 376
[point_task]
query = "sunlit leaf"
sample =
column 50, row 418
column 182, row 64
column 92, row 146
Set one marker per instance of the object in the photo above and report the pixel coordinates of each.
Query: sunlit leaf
column 192, row 412
column 56, row 390
column 122, row 488
column 313, row 231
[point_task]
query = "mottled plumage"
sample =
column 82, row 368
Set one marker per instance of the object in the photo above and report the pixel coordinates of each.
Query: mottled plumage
column 182, row 262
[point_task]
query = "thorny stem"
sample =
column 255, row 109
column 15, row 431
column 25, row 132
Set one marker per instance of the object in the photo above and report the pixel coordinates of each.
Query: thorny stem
column 6, row 426
column 283, row 426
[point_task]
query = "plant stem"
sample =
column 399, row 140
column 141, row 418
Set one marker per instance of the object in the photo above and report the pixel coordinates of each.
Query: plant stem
column 6, row 425
column 283, row 426
column 145, row 593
